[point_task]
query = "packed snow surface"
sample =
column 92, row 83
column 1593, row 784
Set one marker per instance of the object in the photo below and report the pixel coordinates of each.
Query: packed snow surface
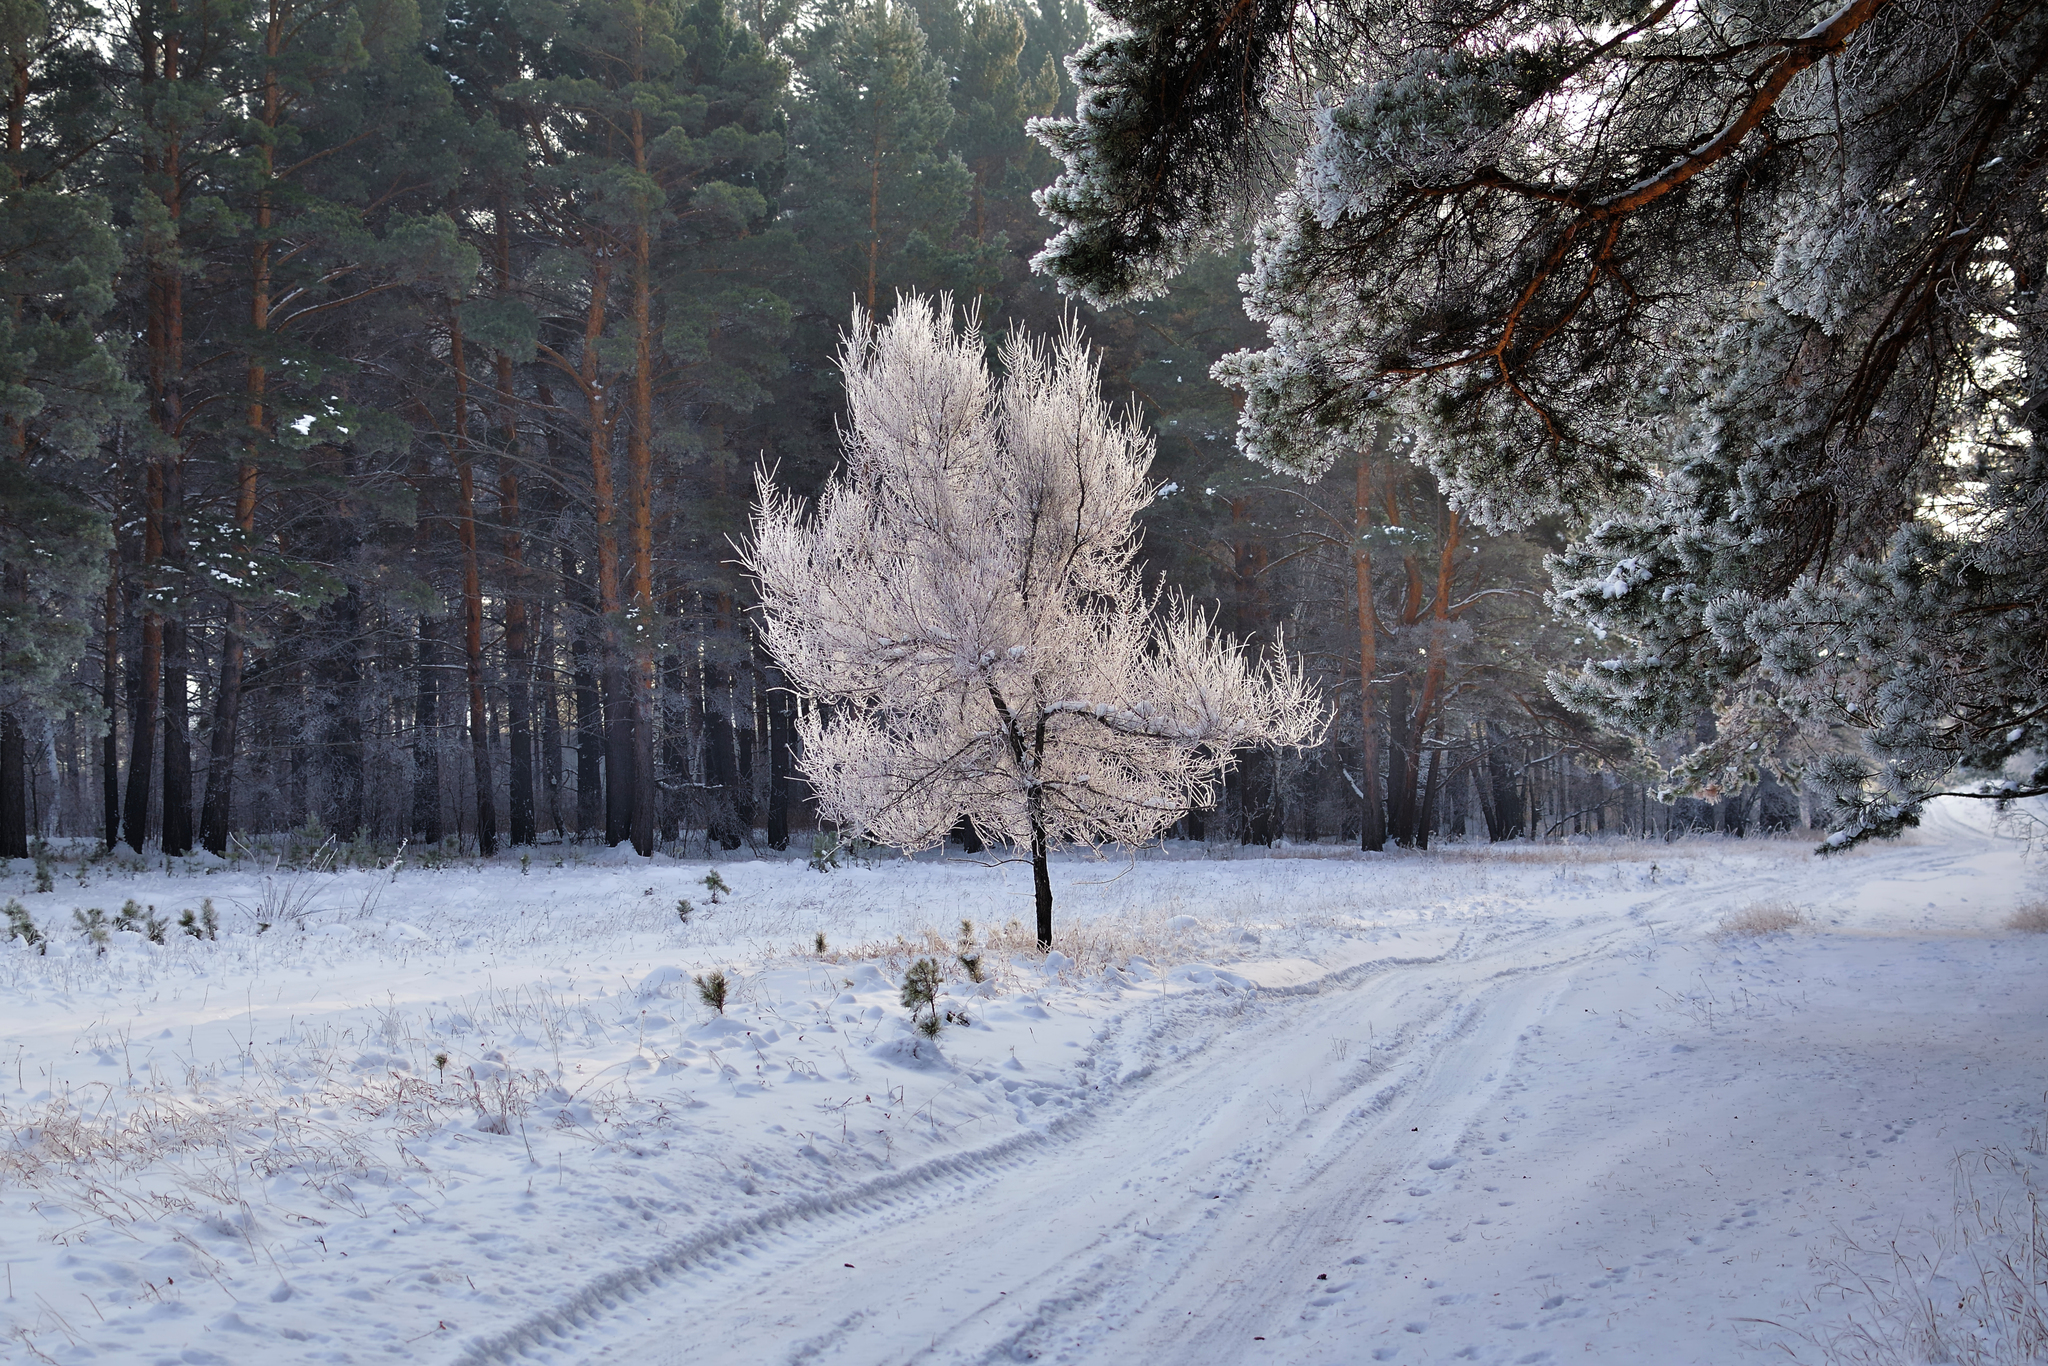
column 1497, row 1104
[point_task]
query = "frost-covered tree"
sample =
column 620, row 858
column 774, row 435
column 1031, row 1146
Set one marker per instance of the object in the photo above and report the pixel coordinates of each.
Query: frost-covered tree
column 1753, row 291
column 964, row 613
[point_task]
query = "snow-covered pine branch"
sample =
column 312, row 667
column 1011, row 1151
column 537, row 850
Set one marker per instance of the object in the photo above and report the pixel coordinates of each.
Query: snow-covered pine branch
column 966, row 599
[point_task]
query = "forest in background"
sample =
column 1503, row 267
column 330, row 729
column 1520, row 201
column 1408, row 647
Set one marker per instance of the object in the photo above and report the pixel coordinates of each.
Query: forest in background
column 384, row 384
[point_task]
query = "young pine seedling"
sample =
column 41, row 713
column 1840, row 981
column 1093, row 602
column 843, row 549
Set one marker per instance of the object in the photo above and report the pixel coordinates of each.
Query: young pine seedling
column 969, row 955
column 205, row 925
column 46, row 877
column 684, row 910
column 21, row 926
column 93, row 925
column 818, row 944
column 711, row 990
column 715, row 885
column 921, row 997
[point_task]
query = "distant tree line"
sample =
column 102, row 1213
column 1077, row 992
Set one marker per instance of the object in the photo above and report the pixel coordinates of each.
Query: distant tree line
column 382, row 387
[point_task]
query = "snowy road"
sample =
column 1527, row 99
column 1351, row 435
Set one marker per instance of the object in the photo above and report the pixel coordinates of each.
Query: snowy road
column 1504, row 1105
column 1531, row 1147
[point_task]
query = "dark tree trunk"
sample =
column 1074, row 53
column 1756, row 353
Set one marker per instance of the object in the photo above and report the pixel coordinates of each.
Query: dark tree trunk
column 721, row 775
column 426, row 729
column 781, row 735
column 589, row 743
column 13, row 788
column 590, row 727
column 148, row 695
column 217, row 814
column 1259, row 790
column 341, row 730
column 177, row 826
column 743, row 772
column 1425, row 824
column 110, row 701
column 1401, row 767
column 1041, row 880
column 547, row 681
column 618, row 752
column 675, row 744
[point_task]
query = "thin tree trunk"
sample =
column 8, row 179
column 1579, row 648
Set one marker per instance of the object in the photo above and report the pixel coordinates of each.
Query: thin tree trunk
column 1372, row 831
column 1041, row 873
column 1426, row 825
column 176, row 835
column 875, row 220
column 618, row 724
column 110, row 701
column 217, row 812
column 517, row 642
column 426, row 725
column 590, row 730
column 148, row 689
column 472, row 603
column 550, row 698
column 13, row 788
column 779, row 735
column 640, row 501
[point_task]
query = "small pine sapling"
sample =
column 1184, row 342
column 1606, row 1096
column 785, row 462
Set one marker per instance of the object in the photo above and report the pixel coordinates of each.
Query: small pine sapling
column 715, row 885
column 205, row 925
column 93, row 925
column 969, row 954
column 711, row 990
column 921, row 997
column 824, row 852
column 137, row 920
column 684, row 910
column 46, row 877
column 818, row 943
column 21, row 926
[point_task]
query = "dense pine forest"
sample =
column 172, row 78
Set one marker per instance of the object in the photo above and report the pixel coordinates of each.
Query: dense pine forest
column 384, row 383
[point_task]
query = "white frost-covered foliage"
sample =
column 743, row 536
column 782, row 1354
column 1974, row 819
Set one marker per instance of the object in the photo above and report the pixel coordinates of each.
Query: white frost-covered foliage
column 965, row 609
column 1751, row 297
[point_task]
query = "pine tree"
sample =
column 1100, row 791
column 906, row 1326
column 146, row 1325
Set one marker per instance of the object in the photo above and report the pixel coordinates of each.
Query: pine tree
column 876, row 193
column 59, row 385
column 1634, row 269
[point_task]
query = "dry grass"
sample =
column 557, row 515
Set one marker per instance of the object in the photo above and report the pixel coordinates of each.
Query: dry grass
column 1092, row 946
column 1978, row 1294
column 1760, row 918
column 2030, row 919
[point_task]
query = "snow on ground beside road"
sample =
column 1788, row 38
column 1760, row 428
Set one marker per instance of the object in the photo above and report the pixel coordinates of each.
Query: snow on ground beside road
column 1497, row 1104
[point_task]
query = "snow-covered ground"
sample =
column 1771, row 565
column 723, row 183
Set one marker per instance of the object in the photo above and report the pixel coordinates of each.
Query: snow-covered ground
column 1504, row 1104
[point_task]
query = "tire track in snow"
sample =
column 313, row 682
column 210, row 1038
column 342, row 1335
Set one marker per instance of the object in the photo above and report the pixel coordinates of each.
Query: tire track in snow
column 1265, row 1268
column 898, row 1194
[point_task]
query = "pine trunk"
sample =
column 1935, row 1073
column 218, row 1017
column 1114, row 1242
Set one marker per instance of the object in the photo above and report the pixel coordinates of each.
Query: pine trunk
column 589, row 721
column 426, row 726
column 110, row 702
column 13, row 788
column 640, row 504
column 1372, row 826
column 147, row 692
column 518, row 699
column 472, row 604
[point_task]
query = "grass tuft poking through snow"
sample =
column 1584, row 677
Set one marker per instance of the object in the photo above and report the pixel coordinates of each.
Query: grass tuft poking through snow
column 1975, row 1294
column 2030, row 919
column 1760, row 918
